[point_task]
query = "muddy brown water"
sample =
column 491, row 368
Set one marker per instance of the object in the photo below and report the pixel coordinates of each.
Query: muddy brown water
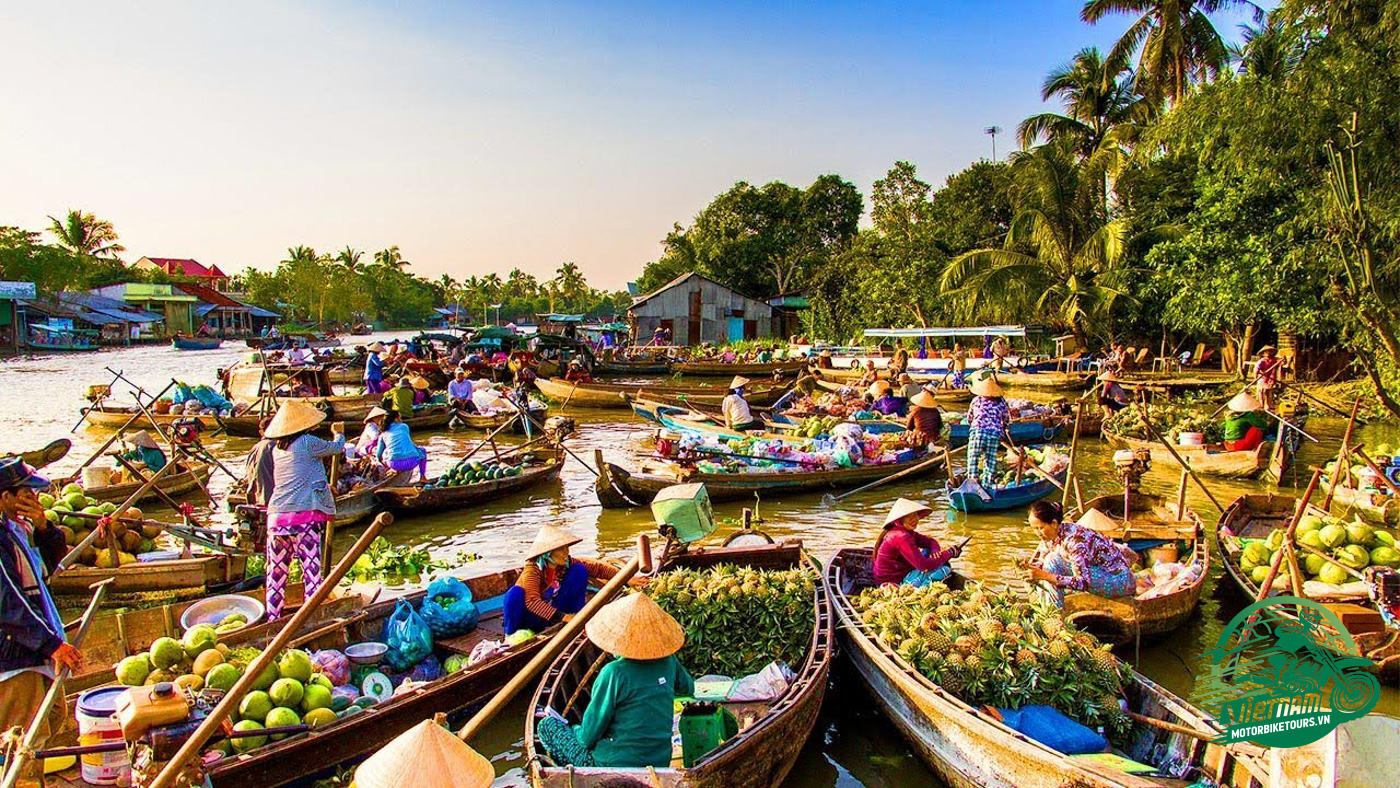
column 42, row 397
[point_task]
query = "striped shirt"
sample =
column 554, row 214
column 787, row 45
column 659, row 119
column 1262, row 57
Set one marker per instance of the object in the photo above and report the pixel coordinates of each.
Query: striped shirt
column 532, row 579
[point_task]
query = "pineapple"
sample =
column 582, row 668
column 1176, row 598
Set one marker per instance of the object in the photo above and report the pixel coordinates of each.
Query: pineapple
column 990, row 629
column 1104, row 661
column 1058, row 650
column 939, row 643
column 1025, row 658
column 928, row 622
column 965, row 644
column 1052, row 626
column 973, row 662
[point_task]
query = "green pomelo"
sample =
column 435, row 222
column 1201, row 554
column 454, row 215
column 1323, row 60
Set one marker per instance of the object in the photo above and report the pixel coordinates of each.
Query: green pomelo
column 222, row 676
column 281, row 717
column 1333, row 536
column 199, row 639
column 287, row 692
column 266, row 677
column 1385, row 556
column 316, row 697
column 246, row 743
column 318, row 717
column 295, row 664
column 165, row 652
column 133, row 670
column 255, row 706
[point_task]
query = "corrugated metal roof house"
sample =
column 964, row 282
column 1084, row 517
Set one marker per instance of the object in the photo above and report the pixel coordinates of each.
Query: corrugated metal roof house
column 698, row 309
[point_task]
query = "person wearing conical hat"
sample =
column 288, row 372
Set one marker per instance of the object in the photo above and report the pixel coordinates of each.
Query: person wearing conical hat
column 906, row 387
column 374, row 368
column 887, row 401
column 628, row 720
column 576, row 373
column 1077, row 557
column 1112, row 397
column 735, row 408
column 367, row 445
column 1245, row 424
column 144, row 452
column 552, row 585
column 400, row 398
column 425, row 756
column 1266, row 376
column 988, row 417
column 824, row 360
column 925, row 422
column 302, row 501
column 903, row 555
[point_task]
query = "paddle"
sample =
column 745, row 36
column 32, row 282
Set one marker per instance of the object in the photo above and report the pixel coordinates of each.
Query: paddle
column 641, row 561
column 829, row 499
column 72, row 555
column 192, row 746
column 19, row 760
column 1341, row 455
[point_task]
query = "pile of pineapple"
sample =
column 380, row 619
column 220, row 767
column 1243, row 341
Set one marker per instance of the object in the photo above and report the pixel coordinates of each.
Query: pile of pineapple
column 998, row 649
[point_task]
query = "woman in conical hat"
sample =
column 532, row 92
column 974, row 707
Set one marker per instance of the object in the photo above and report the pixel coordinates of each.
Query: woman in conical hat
column 903, row 555
column 374, row 368
column 144, row 451
column 628, row 719
column 887, row 401
column 553, row 584
column 925, row 422
column 988, row 417
column 302, row 500
column 735, row 408
column 425, row 756
column 1077, row 557
column 1245, row 425
column 1266, row 375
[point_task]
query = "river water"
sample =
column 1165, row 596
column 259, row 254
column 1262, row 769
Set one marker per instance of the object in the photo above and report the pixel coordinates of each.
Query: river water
column 854, row 746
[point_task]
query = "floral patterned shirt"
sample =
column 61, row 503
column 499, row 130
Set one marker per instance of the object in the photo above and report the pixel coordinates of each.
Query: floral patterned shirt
column 990, row 414
column 1086, row 549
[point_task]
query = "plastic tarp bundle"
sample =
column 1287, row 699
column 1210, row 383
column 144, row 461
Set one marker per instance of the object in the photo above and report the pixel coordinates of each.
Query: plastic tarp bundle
column 1048, row 726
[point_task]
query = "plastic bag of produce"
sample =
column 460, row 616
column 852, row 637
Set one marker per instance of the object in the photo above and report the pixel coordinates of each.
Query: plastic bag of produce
column 448, row 608
column 1048, row 726
column 427, row 670
column 767, row 684
column 333, row 664
column 409, row 638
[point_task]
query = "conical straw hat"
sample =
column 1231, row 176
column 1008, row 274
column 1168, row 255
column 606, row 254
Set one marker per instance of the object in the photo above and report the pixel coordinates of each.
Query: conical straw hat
column 375, row 347
column 739, row 382
column 375, row 412
column 879, row 387
column 292, row 417
column 904, row 507
column 1096, row 520
column 551, row 538
column 635, row 627
column 1244, row 402
column 924, row 400
column 985, row 385
column 420, row 382
column 425, row 756
column 142, row 439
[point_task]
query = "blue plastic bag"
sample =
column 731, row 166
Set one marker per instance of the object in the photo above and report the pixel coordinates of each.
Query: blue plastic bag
column 181, row 394
column 1048, row 726
column 210, row 398
column 408, row 638
column 448, row 618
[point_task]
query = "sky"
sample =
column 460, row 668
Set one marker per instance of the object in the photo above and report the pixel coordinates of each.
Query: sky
column 479, row 137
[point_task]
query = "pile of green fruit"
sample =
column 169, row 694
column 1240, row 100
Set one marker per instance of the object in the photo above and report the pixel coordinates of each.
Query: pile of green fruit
column 814, row 426
column 132, row 536
column 473, row 472
column 1382, row 454
column 738, row 619
column 1353, row 544
column 1170, row 419
column 998, row 649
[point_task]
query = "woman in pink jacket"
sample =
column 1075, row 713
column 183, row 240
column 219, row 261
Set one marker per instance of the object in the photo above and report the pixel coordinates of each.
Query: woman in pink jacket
column 903, row 555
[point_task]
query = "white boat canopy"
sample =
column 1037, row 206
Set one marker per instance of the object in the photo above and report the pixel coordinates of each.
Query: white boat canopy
column 969, row 331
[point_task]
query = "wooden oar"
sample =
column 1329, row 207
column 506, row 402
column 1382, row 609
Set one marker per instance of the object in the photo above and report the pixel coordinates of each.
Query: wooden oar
column 1329, row 559
column 829, row 499
column 1073, row 456
column 526, row 415
column 103, row 448
column 639, row 562
column 1147, row 420
column 20, row 760
column 1341, row 456
column 488, row 438
column 167, row 776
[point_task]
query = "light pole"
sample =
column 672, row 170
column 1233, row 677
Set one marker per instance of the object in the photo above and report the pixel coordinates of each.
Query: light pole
column 497, row 307
column 993, row 131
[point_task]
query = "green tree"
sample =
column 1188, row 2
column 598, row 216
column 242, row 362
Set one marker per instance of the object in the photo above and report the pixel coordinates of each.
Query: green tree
column 85, row 235
column 391, row 258
column 571, row 285
column 1098, row 96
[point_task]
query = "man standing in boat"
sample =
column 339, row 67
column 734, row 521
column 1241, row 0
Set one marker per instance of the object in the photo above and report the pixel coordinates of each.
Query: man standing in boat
column 33, row 644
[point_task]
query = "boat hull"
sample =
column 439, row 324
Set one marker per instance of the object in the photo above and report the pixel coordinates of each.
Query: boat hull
column 1225, row 464
column 615, row 395
column 188, row 577
column 720, row 369
column 115, row 418
column 1021, row 433
column 1003, row 498
column 246, row 425
column 172, row 484
column 196, row 343
column 417, row 499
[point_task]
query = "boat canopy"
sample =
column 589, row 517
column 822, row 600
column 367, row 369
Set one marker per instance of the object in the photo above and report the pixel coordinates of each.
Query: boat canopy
column 961, row 331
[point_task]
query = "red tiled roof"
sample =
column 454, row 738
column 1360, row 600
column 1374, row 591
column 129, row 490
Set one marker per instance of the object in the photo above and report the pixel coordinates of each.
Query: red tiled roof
column 183, row 266
column 208, row 295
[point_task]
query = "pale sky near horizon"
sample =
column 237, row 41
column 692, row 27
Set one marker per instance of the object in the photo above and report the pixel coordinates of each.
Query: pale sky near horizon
column 485, row 136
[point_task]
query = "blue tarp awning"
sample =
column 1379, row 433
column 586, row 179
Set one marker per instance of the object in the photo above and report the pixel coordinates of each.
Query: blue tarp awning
column 968, row 331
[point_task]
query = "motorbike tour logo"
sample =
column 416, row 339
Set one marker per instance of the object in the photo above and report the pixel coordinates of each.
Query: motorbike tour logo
column 1285, row 673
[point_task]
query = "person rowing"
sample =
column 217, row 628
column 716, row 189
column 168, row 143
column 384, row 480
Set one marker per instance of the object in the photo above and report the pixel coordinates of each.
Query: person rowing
column 1245, row 424
column 1266, row 374
column 988, row 417
column 903, row 555
column 735, row 409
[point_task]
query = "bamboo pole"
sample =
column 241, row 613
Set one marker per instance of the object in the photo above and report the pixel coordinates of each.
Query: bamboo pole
column 1287, row 537
column 1073, row 450
column 167, row 776
column 103, row 448
column 1035, row 468
column 639, row 562
column 1147, row 420
column 1342, row 452
column 21, row 759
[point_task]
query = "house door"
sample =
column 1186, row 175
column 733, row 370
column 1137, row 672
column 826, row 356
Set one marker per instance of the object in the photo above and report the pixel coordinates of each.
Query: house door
column 750, row 329
column 669, row 326
column 736, row 329
column 693, row 335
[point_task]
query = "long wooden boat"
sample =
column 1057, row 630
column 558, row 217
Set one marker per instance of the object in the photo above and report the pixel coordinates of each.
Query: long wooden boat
column 968, row 748
column 490, row 421
column 747, row 369
column 1209, row 460
column 114, row 416
column 350, row 508
column 688, row 419
column 1045, row 381
column 38, row 458
column 422, row 499
column 195, row 343
column 428, row 417
column 614, row 482
column 1257, row 516
column 783, row 423
column 1121, row 621
column 190, row 477
column 1032, row 488
column 760, row 755
column 1028, row 432
column 314, row 341
column 614, row 395
column 181, row 577
column 944, row 395
column 631, row 367
column 248, row 383
column 1373, row 506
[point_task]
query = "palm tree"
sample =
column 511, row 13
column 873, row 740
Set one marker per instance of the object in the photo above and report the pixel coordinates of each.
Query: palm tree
column 1075, row 265
column 520, row 284
column 349, row 259
column 570, row 283
column 85, row 235
column 391, row 258
column 1175, row 40
column 1098, row 95
column 1269, row 52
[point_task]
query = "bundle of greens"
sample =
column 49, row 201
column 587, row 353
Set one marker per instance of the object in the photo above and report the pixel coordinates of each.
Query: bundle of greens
column 998, row 649
column 738, row 619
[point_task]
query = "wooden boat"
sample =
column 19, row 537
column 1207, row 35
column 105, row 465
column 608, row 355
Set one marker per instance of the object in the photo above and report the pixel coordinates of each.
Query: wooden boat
column 195, row 343
column 1210, row 460
column 1032, row 488
column 783, row 423
column 640, row 366
column 945, row 396
column 1373, row 506
column 748, row 369
column 38, row 458
column 613, row 482
column 350, row 508
column 312, row 340
column 114, row 416
column 1121, row 621
column 614, row 395
column 1045, row 381
column 1029, row 432
column 1090, row 422
column 428, row 417
column 490, row 421
column 255, row 383
column 688, row 419
column 421, row 499
column 180, row 577
column 1255, row 517
column 968, row 748
column 760, row 755
column 191, row 476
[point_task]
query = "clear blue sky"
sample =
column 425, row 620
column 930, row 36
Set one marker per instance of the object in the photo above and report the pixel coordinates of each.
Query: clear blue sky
column 480, row 137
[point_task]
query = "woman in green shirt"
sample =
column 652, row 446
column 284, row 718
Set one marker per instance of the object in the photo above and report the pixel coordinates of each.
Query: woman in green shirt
column 144, row 451
column 1245, row 426
column 629, row 717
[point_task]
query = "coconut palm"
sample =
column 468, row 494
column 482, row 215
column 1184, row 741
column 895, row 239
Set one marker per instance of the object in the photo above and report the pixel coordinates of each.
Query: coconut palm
column 349, row 259
column 1063, row 259
column 301, row 254
column 570, row 283
column 1098, row 95
column 1175, row 41
column 391, row 258
column 85, row 235
column 1269, row 52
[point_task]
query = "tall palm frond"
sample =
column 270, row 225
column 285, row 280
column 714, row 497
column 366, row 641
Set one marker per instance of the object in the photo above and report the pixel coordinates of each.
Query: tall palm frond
column 84, row 234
